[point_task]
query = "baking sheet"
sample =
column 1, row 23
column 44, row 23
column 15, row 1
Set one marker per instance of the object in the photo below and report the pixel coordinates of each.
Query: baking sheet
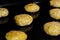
column 35, row 31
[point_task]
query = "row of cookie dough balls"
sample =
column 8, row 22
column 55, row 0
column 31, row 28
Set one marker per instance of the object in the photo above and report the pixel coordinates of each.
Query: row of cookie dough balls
column 55, row 13
column 53, row 28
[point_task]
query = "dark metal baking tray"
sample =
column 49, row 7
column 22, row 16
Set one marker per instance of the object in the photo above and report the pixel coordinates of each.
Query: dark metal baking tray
column 35, row 31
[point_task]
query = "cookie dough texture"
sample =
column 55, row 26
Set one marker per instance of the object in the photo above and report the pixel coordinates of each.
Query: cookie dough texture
column 4, row 12
column 55, row 3
column 16, row 35
column 52, row 28
column 55, row 13
column 23, row 19
column 32, row 7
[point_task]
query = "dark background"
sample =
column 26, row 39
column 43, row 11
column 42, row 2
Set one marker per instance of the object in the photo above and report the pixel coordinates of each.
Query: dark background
column 16, row 7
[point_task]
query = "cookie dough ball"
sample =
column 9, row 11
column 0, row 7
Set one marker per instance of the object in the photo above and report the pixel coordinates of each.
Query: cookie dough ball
column 32, row 7
column 23, row 19
column 3, row 12
column 16, row 35
column 55, row 13
column 55, row 3
column 52, row 28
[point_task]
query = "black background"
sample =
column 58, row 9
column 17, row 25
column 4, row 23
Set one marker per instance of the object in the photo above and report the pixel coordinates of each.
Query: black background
column 16, row 7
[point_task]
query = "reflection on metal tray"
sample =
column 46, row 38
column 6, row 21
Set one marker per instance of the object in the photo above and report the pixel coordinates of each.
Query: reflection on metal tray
column 4, row 20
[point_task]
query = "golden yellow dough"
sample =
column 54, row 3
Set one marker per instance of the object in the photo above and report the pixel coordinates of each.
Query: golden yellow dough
column 23, row 19
column 16, row 35
column 55, row 3
column 52, row 28
column 32, row 7
column 3, row 12
column 55, row 13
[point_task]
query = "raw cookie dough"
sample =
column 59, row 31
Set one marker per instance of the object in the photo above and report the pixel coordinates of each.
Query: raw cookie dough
column 52, row 28
column 23, row 19
column 16, row 35
column 55, row 13
column 32, row 7
column 4, row 12
column 55, row 3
